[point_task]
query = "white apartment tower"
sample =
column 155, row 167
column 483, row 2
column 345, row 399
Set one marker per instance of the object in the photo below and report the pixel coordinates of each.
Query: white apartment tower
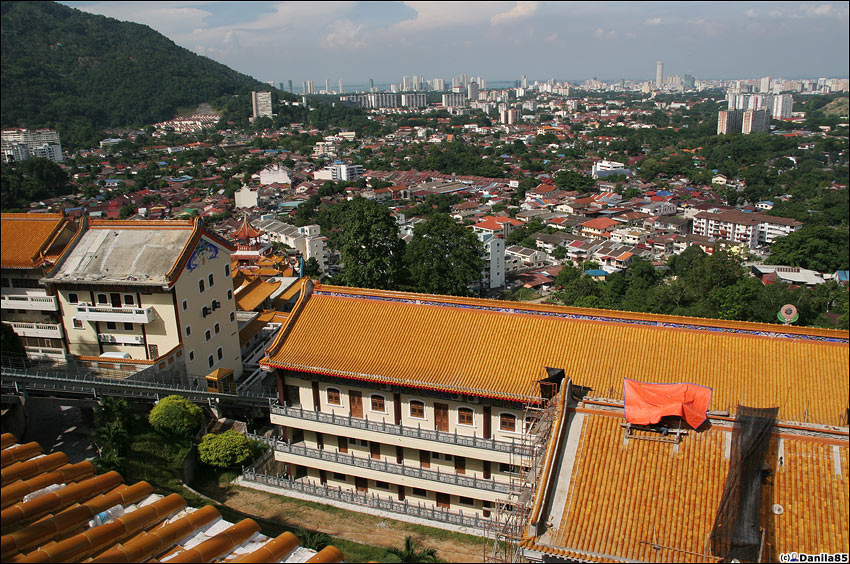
column 659, row 75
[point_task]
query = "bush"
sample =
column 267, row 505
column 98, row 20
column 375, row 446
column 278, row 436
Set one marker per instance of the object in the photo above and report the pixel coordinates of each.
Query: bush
column 175, row 415
column 227, row 449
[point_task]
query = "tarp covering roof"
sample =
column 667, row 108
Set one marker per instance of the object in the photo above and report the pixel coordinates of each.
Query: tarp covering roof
column 647, row 403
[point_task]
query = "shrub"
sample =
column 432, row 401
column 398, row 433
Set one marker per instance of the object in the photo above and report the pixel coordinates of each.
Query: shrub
column 227, row 449
column 175, row 415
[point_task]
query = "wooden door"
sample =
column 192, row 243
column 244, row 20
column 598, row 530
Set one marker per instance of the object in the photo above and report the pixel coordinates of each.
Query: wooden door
column 424, row 459
column 460, row 465
column 355, row 406
column 317, row 404
column 487, row 422
column 375, row 450
column 362, row 484
column 443, row 500
column 441, row 416
column 397, row 408
column 343, row 444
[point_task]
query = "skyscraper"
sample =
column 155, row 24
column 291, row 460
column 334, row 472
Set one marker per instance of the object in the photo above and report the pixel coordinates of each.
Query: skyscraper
column 340, row 86
column 729, row 121
column 659, row 75
column 261, row 103
column 290, row 88
column 327, row 86
column 405, row 83
column 765, row 84
column 755, row 121
column 472, row 91
column 310, row 87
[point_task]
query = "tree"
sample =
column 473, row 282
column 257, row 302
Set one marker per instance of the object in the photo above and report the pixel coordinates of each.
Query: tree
column 175, row 415
column 312, row 268
column 443, row 257
column 816, row 247
column 411, row 553
column 370, row 247
column 226, row 449
column 10, row 342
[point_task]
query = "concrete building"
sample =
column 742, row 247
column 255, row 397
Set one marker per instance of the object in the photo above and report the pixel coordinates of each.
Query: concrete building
column 275, row 174
column 339, row 170
column 493, row 273
column 261, row 103
column 307, row 239
column 454, row 99
column 755, row 121
column 753, row 229
column 31, row 244
column 659, row 75
column 729, row 121
column 18, row 144
column 246, row 197
column 415, row 101
column 137, row 294
column 472, row 91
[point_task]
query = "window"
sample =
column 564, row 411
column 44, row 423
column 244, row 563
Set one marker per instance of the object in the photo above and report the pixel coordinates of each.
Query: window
column 378, row 404
column 188, row 330
column 382, row 485
column 465, row 416
column 210, row 278
column 73, row 299
column 333, row 397
column 201, row 285
column 78, row 323
column 191, row 356
column 340, row 477
column 129, row 299
column 211, row 360
column 185, row 305
column 420, row 492
column 230, row 294
column 227, row 270
column 111, row 325
column 217, row 328
column 467, row 501
column 128, row 326
column 232, row 317
column 102, row 299
column 417, row 409
column 507, row 422
column 220, row 353
column 207, row 335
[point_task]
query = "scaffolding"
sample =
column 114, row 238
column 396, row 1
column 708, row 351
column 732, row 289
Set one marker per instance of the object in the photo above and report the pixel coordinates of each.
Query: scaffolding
column 503, row 535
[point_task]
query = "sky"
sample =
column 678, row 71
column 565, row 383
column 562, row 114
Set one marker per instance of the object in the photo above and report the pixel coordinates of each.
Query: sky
column 355, row 41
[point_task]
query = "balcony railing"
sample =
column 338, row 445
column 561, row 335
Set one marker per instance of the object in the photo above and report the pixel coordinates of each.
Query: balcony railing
column 121, row 339
column 33, row 300
column 388, row 467
column 88, row 312
column 43, row 330
column 400, row 430
column 324, row 491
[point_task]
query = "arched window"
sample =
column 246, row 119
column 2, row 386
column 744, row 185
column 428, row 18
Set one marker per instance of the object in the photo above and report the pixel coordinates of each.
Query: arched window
column 333, row 397
column 417, row 409
column 507, row 422
column 378, row 403
column 465, row 416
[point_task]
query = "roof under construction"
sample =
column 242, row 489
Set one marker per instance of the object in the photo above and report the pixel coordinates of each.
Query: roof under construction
column 55, row 511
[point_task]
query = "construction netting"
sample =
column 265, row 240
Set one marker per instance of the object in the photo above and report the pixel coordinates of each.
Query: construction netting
column 737, row 527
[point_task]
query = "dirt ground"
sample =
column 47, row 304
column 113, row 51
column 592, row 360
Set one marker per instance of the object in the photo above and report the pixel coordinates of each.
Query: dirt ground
column 349, row 525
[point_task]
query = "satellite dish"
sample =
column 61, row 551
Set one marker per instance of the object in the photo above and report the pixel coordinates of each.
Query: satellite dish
column 788, row 314
column 777, row 509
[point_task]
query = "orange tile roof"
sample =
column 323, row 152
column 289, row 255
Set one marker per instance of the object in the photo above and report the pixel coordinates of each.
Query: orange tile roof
column 251, row 295
column 493, row 348
column 623, row 498
column 24, row 237
column 54, row 526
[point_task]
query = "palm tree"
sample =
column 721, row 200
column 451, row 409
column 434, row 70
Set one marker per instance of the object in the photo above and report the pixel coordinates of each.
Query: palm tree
column 410, row 553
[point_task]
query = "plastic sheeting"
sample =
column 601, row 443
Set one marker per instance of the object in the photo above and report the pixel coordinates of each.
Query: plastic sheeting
column 647, row 403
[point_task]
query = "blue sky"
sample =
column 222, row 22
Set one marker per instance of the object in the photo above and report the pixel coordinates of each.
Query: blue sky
column 355, row 41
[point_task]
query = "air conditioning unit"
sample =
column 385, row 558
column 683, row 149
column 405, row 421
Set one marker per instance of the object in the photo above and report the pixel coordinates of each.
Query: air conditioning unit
column 205, row 311
column 216, row 304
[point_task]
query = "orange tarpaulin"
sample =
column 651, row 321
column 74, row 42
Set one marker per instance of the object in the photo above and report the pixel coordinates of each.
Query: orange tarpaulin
column 647, row 403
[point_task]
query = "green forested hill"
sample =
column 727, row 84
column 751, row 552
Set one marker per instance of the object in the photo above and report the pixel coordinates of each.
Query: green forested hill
column 79, row 72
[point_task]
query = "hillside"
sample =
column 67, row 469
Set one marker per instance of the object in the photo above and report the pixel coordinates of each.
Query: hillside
column 838, row 107
column 80, row 73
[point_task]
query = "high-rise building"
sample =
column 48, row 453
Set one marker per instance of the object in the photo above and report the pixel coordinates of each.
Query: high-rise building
column 340, row 86
column 291, row 91
column 303, row 86
column 755, row 121
column 472, row 91
column 729, row 121
column 327, row 86
column 783, row 106
column 261, row 103
column 524, row 81
column 439, row 84
column 311, row 89
column 764, row 86
column 659, row 75
column 454, row 99
column 464, row 79
column 688, row 82
column 405, row 84
column 416, row 85
column 414, row 100
column 19, row 144
column 371, row 85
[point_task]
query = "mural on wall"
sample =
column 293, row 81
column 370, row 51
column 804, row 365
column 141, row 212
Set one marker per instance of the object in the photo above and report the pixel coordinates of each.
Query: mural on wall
column 203, row 252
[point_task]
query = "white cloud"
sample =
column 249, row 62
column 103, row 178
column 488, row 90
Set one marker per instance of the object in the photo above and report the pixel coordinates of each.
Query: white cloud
column 599, row 33
column 653, row 21
column 431, row 15
column 751, row 13
column 344, row 34
column 521, row 11
column 816, row 9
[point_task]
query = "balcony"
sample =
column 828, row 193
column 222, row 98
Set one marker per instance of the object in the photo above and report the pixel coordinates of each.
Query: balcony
column 387, row 467
column 88, row 312
column 29, row 299
column 400, row 430
column 44, row 330
column 120, row 339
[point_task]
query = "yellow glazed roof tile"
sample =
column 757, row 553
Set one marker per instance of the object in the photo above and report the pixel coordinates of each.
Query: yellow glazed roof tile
column 498, row 349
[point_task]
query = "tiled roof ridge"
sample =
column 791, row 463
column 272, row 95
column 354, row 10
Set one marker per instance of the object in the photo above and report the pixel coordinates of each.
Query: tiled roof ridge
column 589, row 314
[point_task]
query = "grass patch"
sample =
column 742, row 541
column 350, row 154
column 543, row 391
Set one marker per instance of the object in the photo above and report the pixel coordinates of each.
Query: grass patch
column 522, row 294
column 155, row 459
column 441, row 534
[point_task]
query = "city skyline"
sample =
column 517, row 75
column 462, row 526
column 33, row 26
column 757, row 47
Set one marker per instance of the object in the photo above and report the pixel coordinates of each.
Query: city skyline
column 355, row 41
